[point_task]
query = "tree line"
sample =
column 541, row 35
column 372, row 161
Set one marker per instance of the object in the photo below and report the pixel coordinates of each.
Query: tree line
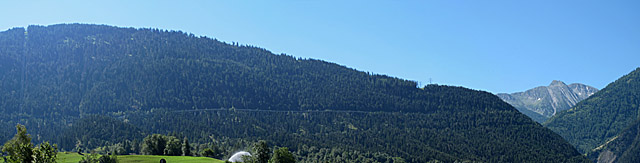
column 20, row 149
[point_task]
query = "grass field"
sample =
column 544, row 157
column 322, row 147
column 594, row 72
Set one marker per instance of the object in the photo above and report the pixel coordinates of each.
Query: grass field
column 156, row 159
column 70, row 157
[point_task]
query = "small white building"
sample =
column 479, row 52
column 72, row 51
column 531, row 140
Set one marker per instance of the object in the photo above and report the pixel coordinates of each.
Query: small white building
column 237, row 157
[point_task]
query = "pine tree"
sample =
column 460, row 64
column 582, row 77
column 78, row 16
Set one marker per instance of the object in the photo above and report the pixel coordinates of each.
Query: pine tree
column 186, row 148
column 282, row 155
column 262, row 151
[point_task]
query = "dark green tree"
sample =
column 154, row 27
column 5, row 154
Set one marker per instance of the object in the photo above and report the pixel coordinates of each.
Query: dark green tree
column 218, row 152
column 207, row 152
column 249, row 159
column 282, row 155
column 108, row 159
column 78, row 146
column 261, row 152
column 186, row 148
column 45, row 153
column 135, row 146
column 118, row 149
column 398, row 160
column 173, row 147
column 19, row 148
column 153, row 145
column 90, row 158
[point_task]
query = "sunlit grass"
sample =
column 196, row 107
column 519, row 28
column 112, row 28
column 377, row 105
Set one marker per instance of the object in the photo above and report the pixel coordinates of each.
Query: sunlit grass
column 156, row 159
column 68, row 157
column 71, row 157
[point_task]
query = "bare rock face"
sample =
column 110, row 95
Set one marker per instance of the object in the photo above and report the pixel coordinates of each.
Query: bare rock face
column 625, row 147
column 542, row 102
column 606, row 157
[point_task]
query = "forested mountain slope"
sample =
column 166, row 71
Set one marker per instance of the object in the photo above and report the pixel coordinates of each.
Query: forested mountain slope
column 543, row 102
column 623, row 148
column 155, row 81
column 602, row 116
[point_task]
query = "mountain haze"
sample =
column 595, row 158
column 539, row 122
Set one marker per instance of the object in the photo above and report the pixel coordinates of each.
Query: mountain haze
column 543, row 102
column 56, row 78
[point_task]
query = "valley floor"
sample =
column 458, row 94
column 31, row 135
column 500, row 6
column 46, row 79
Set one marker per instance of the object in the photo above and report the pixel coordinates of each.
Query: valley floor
column 69, row 157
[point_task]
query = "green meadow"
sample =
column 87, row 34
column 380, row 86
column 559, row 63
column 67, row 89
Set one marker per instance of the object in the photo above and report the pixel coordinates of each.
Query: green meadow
column 69, row 157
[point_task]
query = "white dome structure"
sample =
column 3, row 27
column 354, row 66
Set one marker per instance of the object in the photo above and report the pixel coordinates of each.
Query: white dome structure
column 237, row 157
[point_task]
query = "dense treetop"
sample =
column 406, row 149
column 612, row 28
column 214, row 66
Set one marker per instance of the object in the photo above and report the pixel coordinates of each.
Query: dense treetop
column 95, row 69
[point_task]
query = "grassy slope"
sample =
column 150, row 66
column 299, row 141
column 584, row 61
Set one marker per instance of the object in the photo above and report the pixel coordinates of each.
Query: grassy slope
column 68, row 157
column 64, row 157
column 154, row 159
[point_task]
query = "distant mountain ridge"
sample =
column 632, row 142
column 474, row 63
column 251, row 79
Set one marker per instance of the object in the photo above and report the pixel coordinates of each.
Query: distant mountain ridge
column 605, row 122
column 542, row 102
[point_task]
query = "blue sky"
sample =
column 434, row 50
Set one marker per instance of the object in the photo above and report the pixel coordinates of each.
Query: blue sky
column 497, row 46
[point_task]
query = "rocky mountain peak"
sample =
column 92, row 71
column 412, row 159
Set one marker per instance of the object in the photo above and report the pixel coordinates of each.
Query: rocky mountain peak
column 557, row 83
column 540, row 103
